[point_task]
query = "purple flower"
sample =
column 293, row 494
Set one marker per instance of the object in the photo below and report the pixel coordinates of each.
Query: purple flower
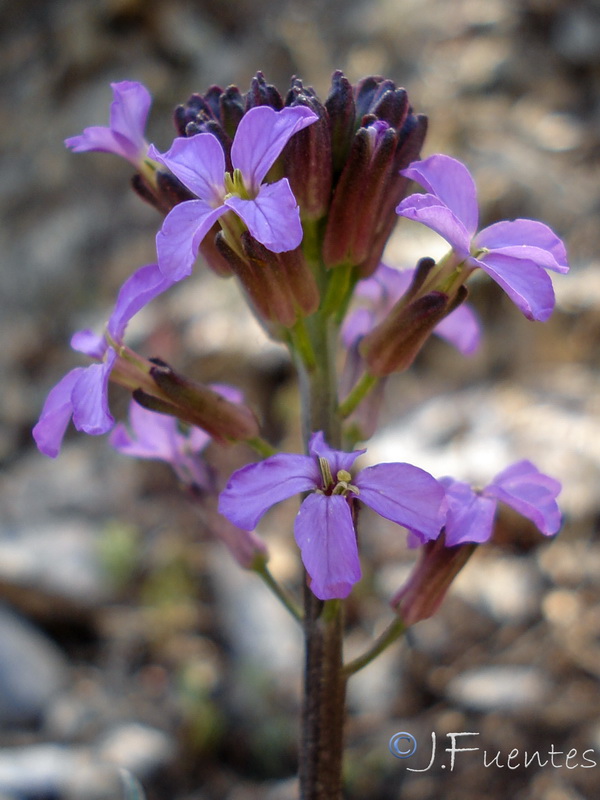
column 160, row 437
column 125, row 134
column 516, row 254
column 324, row 526
column 382, row 291
column 82, row 395
column 521, row 486
column 269, row 210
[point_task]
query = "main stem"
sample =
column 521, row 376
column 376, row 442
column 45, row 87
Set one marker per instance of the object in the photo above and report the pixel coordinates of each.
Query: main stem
column 321, row 744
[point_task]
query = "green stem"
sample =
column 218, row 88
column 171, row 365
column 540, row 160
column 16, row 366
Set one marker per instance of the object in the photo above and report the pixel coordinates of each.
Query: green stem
column 360, row 390
column 393, row 632
column 261, row 446
column 279, row 592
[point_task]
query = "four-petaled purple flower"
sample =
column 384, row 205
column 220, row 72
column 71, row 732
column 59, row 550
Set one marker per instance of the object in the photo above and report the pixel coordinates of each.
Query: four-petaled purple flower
column 521, row 486
column 324, row 526
column 383, row 289
column 125, row 134
column 516, row 254
column 83, row 393
column 269, row 210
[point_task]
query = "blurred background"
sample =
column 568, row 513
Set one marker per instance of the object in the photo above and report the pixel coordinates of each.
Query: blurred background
column 127, row 639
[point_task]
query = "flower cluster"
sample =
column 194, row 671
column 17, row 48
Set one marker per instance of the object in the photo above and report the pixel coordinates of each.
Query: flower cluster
column 297, row 198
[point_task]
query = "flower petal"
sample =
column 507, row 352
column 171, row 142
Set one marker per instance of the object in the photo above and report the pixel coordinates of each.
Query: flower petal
column 273, row 217
column 404, row 494
column 461, row 328
column 326, row 537
column 527, row 285
column 261, row 136
column 90, row 343
column 199, row 163
column 56, row 414
column 101, row 139
column 338, row 460
column 427, row 209
column 125, row 135
column 253, row 489
column 152, row 435
column 525, row 233
column 90, row 398
column 182, row 232
column 523, row 487
column 139, row 289
column 451, row 182
column 470, row 517
column 129, row 111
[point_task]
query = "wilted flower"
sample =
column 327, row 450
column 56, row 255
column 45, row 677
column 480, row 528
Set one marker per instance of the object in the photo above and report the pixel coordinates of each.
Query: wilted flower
column 324, row 526
column 516, row 254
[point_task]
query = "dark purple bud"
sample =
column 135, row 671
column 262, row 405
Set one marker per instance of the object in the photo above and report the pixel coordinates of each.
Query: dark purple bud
column 430, row 579
column 170, row 189
column 353, row 216
column 393, row 345
column 195, row 110
column 307, row 156
column 342, row 114
column 231, row 105
column 262, row 93
column 148, row 193
column 411, row 138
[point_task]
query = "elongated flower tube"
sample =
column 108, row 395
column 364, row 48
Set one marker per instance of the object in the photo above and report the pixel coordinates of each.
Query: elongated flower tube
column 268, row 210
column 376, row 297
column 125, row 134
column 324, row 526
column 516, row 253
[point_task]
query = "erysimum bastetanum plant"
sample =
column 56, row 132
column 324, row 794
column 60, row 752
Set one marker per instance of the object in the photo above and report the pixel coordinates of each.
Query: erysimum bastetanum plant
column 295, row 199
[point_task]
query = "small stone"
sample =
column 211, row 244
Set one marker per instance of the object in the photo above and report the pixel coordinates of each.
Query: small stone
column 499, row 688
column 32, row 670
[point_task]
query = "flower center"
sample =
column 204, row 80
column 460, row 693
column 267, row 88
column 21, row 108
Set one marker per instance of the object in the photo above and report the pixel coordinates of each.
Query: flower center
column 234, row 185
column 342, row 483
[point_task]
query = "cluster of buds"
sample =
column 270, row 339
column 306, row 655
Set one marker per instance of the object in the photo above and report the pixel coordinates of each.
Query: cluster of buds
column 340, row 160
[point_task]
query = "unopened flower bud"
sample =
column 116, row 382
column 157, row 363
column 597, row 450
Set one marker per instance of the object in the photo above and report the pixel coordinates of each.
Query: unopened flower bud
column 353, row 216
column 342, row 114
column 307, row 156
column 430, row 579
column 262, row 93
